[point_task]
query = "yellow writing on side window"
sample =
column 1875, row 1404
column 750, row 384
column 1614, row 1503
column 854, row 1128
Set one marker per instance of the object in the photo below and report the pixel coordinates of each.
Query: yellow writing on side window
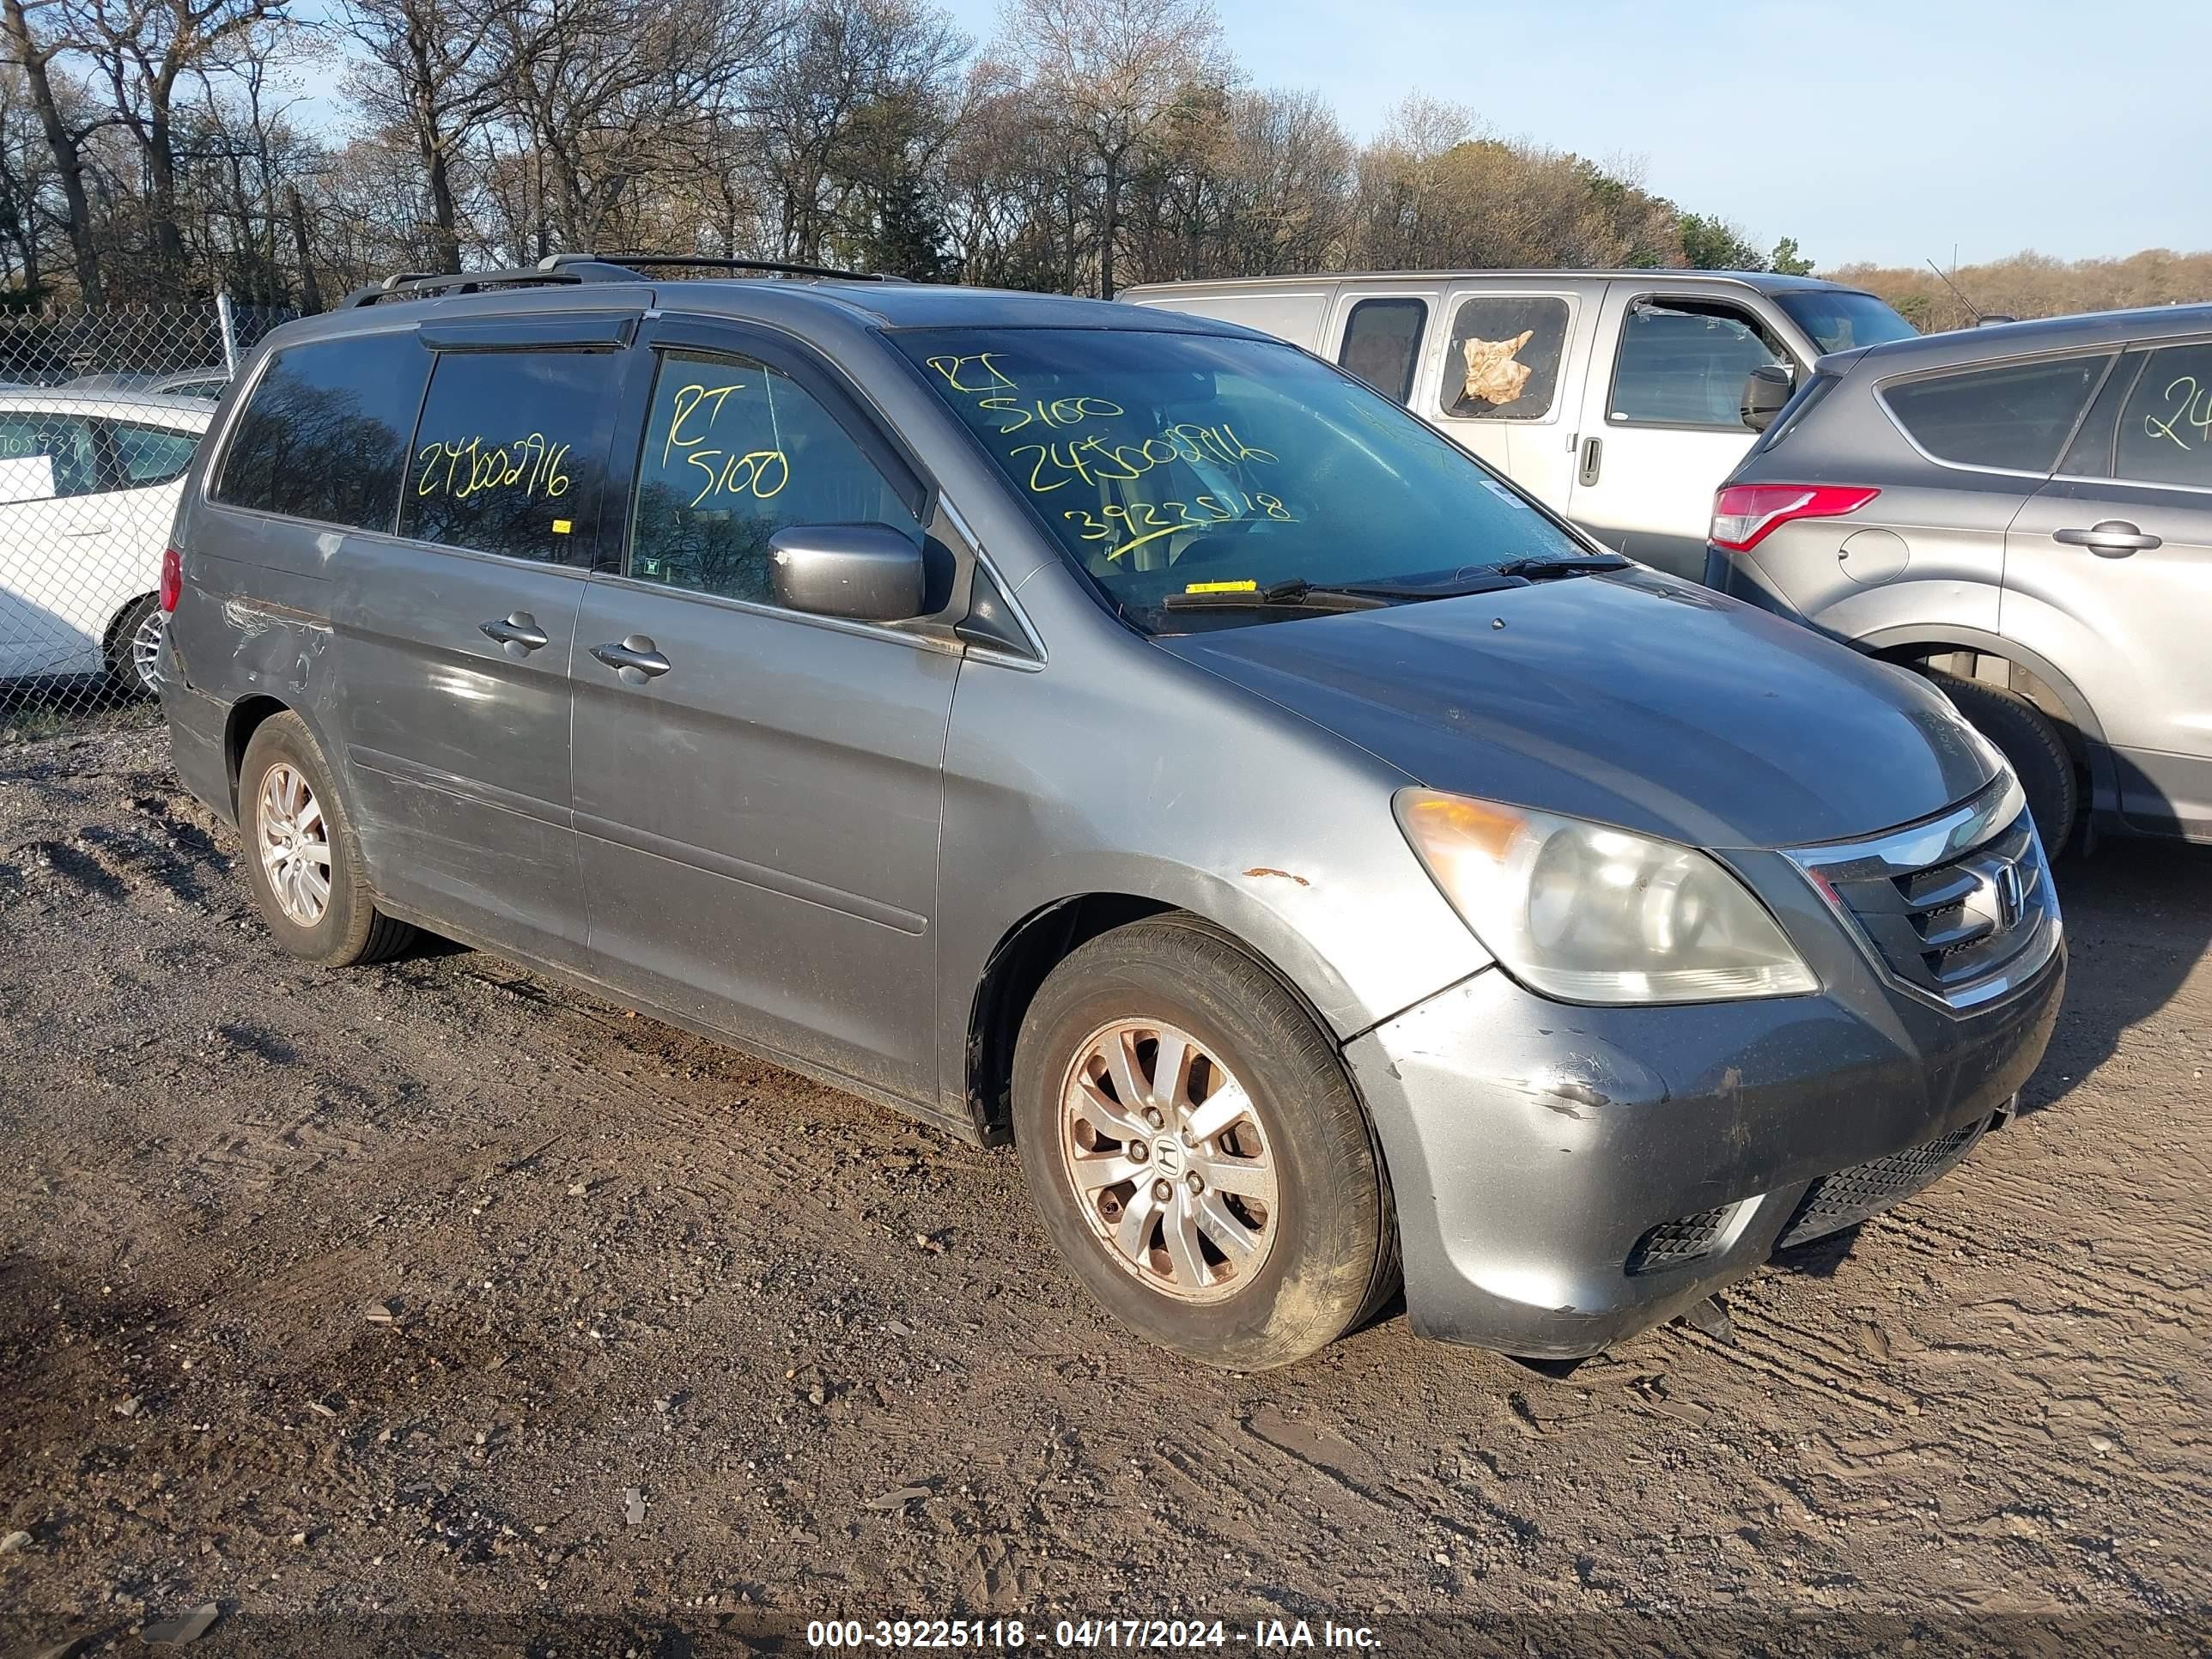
column 761, row 473
column 2192, row 408
column 464, row 467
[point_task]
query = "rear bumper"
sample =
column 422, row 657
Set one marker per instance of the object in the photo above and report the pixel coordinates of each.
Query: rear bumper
column 1534, row 1147
column 198, row 725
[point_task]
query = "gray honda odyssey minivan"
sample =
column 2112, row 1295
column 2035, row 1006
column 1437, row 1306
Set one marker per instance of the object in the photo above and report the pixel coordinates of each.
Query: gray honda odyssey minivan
column 1122, row 735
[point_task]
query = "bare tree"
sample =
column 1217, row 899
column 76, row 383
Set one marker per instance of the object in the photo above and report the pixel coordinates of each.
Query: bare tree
column 141, row 51
column 1114, row 69
column 430, row 71
column 33, row 48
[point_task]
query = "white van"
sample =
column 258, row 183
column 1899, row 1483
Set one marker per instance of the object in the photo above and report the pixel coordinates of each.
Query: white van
column 1618, row 397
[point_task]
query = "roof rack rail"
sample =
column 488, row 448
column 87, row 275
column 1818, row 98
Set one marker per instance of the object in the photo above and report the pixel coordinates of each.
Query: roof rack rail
column 563, row 268
column 770, row 267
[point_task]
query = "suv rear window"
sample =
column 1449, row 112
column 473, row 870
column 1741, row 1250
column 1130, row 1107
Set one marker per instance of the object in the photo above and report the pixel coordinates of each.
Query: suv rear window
column 511, row 454
column 2013, row 416
column 325, row 434
column 2165, row 428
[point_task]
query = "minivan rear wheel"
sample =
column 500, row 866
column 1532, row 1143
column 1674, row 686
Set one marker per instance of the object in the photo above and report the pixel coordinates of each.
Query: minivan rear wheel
column 302, row 858
column 2024, row 735
column 1196, row 1150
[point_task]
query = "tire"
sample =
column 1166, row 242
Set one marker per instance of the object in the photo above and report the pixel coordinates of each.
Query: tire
column 1296, row 1244
column 2025, row 736
column 274, row 819
column 129, row 669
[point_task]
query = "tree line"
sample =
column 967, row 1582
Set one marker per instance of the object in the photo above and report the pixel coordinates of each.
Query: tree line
column 2035, row 285
column 153, row 150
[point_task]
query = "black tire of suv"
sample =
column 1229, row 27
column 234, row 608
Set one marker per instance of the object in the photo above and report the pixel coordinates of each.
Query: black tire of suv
column 1334, row 1261
column 2025, row 736
column 122, row 673
column 352, row 930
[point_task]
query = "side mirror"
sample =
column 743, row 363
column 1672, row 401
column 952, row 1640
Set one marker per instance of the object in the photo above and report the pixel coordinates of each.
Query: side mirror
column 1766, row 389
column 862, row 572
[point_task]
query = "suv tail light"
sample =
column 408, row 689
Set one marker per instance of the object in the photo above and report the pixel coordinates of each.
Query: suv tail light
column 172, row 579
column 1745, row 515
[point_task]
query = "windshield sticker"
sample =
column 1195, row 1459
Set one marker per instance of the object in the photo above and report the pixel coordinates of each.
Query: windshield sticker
column 1222, row 587
column 1505, row 494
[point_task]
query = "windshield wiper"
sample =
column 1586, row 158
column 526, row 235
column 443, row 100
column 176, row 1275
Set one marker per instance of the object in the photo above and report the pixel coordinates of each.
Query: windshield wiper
column 1572, row 564
column 1297, row 593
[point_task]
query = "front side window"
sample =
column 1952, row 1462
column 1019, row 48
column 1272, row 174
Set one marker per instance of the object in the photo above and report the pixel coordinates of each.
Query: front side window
column 1841, row 319
column 2012, row 416
column 1683, row 362
column 511, row 454
column 734, row 452
column 43, row 457
column 2166, row 425
column 1504, row 364
column 324, row 435
column 147, row 455
column 1171, row 464
column 1382, row 343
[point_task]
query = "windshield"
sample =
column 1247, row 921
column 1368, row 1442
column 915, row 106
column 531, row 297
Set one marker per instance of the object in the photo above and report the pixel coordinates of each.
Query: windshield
column 1172, row 465
column 1839, row 320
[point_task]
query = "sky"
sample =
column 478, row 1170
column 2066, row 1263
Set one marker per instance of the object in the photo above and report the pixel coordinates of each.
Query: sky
column 1877, row 130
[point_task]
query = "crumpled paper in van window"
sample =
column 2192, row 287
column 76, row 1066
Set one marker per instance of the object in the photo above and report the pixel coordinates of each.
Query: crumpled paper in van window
column 1492, row 376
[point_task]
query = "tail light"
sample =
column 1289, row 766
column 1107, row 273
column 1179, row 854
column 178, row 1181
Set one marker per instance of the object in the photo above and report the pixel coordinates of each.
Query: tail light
column 1745, row 515
column 172, row 579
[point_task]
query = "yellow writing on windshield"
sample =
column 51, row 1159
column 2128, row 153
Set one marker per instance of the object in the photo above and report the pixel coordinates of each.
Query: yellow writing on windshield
column 1014, row 414
column 972, row 372
column 465, row 467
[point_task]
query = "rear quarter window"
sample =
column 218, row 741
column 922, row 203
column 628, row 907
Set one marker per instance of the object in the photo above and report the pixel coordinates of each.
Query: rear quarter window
column 324, row 435
column 2008, row 415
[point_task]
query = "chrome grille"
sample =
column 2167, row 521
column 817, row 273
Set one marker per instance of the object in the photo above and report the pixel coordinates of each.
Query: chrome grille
column 1959, row 909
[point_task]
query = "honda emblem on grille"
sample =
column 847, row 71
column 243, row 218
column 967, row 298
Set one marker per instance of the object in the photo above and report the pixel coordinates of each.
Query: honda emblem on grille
column 2012, row 898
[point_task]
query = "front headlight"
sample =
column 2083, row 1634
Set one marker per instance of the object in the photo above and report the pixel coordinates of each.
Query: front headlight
column 1590, row 914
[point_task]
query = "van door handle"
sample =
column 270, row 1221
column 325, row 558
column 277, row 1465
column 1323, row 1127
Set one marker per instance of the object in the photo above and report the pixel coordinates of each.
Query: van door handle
column 1593, row 458
column 520, row 630
column 634, row 660
column 2109, row 538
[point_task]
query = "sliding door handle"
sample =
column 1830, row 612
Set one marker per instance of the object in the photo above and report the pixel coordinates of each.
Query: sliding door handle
column 634, row 661
column 1593, row 459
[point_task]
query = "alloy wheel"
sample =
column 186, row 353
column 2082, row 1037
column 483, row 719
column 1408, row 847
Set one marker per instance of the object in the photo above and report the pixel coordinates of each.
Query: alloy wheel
column 146, row 650
column 294, row 844
column 1169, row 1159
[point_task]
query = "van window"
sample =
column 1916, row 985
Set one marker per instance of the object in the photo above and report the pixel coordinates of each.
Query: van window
column 1504, row 364
column 2013, row 416
column 1682, row 362
column 1382, row 343
column 734, row 452
column 2165, row 427
column 511, row 454
column 147, row 455
column 45, row 456
column 324, row 435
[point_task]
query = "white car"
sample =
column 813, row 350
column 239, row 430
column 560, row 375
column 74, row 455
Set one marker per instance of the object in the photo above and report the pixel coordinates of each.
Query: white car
column 88, row 483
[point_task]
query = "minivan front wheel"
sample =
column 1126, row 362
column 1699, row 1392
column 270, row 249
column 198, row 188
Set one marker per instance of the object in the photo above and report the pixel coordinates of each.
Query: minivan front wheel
column 1196, row 1150
column 302, row 858
column 2025, row 736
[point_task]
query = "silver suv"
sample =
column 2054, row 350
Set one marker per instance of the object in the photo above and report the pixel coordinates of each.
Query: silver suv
column 1123, row 734
column 2024, row 513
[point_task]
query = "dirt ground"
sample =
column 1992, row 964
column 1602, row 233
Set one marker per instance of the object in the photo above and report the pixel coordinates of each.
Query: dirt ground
column 432, row 1288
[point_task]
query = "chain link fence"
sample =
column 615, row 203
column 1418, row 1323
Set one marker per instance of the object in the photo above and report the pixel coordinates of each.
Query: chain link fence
column 100, row 411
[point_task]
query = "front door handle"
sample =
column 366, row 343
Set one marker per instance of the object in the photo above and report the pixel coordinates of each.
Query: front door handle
column 1593, row 458
column 2109, row 538
column 520, row 633
column 634, row 660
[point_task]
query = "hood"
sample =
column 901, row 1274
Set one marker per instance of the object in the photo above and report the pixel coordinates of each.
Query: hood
column 1633, row 699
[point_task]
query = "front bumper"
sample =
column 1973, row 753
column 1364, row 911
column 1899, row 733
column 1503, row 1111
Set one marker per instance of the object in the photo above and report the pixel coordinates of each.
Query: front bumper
column 1532, row 1147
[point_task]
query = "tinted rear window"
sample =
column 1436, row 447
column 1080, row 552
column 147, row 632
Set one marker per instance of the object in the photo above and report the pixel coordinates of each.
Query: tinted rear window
column 511, row 456
column 2013, row 416
column 324, row 433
